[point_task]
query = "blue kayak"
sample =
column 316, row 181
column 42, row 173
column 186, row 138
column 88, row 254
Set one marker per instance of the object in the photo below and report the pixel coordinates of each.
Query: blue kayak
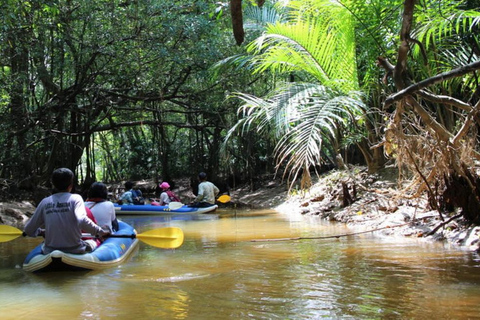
column 112, row 252
column 151, row 209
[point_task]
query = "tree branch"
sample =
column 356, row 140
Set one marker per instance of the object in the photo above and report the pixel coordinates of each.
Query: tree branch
column 430, row 81
column 440, row 99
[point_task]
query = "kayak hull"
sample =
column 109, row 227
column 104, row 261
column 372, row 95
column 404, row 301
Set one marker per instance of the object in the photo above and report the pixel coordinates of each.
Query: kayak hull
column 148, row 209
column 112, row 252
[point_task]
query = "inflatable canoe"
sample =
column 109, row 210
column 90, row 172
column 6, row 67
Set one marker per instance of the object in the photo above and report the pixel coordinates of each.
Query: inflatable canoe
column 112, row 252
column 150, row 209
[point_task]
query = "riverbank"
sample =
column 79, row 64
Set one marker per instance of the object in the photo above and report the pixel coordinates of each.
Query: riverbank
column 364, row 202
column 367, row 203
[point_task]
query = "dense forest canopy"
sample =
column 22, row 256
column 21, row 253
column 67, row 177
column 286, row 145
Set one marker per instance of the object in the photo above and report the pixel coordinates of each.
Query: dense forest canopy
column 114, row 89
column 153, row 89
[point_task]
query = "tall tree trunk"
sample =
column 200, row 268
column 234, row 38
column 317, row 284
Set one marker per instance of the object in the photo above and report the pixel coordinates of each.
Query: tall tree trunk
column 237, row 20
column 15, row 150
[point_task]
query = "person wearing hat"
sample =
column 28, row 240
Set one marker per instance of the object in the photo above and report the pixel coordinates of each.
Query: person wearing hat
column 207, row 192
column 167, row 195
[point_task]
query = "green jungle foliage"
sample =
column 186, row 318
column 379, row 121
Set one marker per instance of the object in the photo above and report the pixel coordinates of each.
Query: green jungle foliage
column 115, row 90
column 155, row 89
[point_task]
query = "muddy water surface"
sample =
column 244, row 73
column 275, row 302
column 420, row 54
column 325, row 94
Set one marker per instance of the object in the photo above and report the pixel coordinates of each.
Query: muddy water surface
column 219, row 273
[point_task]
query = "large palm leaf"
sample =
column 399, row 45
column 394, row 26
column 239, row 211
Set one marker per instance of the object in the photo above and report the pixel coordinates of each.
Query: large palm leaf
column 257, row 18
column 311, row 47
column 303, row 115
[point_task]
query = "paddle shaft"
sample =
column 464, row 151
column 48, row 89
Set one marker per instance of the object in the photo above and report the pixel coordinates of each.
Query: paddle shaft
column 128, row 236
column 131, row 236
column 167, row 238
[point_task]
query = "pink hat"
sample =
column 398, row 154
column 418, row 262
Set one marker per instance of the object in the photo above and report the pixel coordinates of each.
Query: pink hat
column 164, row 185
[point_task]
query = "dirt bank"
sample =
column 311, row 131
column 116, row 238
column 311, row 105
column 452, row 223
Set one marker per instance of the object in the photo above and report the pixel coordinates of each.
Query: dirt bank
column 374, row 203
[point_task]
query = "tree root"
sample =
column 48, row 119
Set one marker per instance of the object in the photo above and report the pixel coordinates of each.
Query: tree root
column 443, row 224
column 328, row 237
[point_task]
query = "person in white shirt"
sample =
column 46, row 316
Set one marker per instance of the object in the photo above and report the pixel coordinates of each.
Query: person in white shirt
column 102, row 209
column 207, row 192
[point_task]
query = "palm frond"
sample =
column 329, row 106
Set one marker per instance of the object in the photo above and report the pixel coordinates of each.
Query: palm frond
column 315, row 46
column 434, row 29
column 299, row 148
column 257, row 18
column 304, row 115
column 239, row 62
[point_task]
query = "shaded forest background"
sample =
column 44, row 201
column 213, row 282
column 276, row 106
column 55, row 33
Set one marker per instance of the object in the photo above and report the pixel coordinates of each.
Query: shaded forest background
column 146, row 89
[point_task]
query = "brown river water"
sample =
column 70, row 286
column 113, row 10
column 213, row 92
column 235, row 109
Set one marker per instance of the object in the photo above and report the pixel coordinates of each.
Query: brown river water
column 219, row 273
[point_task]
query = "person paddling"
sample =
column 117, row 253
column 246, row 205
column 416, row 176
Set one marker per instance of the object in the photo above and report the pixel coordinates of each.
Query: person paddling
column 207, row 192
column 63, row 215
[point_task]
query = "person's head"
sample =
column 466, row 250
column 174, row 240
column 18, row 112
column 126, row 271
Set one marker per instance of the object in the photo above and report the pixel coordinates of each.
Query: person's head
column 202, row 176
column 128, row 185
column 98, row 190
column 62, row 179
column 164, row 185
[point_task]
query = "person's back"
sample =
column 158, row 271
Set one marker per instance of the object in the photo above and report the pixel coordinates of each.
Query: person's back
column 63, row 215
column 127, row 196
column 167, row 195
column 137, row 196
column 207, row 192
column 164, row 199
column 102, row 209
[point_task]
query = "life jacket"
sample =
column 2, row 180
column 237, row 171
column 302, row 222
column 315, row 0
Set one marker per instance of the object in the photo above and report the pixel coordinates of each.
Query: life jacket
column 173, row 197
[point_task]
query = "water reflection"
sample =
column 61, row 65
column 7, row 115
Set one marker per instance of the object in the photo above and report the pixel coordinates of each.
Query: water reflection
column 219, row 273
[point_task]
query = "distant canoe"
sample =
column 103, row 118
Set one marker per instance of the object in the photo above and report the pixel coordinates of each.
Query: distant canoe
column 152, row 210
column 112, row 252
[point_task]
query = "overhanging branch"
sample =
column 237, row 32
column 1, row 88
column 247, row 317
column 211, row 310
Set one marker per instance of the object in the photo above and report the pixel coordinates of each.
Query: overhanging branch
column 430, row 81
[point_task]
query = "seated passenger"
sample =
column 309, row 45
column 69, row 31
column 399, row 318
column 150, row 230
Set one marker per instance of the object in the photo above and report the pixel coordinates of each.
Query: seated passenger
column 167, row 195
column 131, row 195
column 102, row 209
column 127, row 197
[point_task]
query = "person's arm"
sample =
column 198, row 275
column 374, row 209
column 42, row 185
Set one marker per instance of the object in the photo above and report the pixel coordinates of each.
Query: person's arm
column 36, row 222
column 115, row 226
column 127, row 197
column 113, row 215
column 216, row 190
column 163, row 199
column 200, row 195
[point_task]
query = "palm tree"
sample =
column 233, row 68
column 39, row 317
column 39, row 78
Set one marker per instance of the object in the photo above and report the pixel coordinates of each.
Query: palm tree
column 314, row 52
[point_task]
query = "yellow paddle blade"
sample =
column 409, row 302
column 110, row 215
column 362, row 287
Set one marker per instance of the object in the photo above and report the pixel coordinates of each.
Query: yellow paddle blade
column 167, row 238
column 8, row 233
column 224, row 198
